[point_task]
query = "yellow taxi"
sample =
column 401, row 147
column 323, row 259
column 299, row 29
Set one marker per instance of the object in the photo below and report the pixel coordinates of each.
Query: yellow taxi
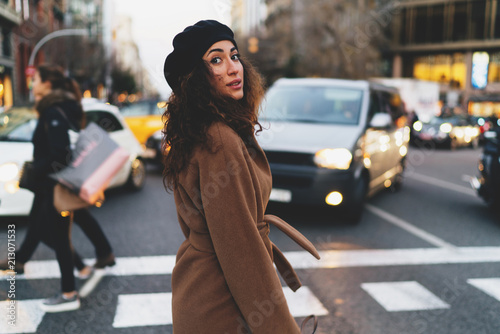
column 144, row 118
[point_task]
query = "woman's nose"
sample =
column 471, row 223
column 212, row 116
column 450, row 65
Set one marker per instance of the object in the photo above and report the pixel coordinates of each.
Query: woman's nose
column 232, row 68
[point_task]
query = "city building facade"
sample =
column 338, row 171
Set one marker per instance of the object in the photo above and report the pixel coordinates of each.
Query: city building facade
column 10, row 18
column 455, row 43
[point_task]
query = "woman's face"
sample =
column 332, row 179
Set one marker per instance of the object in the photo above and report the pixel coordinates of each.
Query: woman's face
column 40, row 89
column 227, row 71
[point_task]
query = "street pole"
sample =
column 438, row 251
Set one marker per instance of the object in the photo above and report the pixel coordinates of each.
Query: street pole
column 57, row 33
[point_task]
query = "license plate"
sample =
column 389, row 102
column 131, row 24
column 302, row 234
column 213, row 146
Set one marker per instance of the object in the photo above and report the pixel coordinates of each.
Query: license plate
column 425, row 136
column 281, row 195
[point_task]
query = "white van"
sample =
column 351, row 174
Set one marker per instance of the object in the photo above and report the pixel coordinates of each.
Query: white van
column 333, row 142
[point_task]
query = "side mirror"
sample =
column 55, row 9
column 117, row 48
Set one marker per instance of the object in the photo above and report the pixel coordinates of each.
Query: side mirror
column 381, row 120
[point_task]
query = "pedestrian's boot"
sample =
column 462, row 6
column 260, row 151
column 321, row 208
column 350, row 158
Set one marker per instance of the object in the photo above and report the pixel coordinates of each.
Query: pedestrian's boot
column 106, row 261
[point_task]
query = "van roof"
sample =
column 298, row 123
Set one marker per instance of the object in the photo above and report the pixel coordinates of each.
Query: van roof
column 345, row 83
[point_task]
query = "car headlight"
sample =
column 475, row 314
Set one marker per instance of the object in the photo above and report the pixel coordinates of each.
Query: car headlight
column 417, row 126
column 8, row 171
column 333, row 158
column 445, row 127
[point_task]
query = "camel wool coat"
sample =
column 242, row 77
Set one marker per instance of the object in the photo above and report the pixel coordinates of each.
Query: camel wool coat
column 224, row 281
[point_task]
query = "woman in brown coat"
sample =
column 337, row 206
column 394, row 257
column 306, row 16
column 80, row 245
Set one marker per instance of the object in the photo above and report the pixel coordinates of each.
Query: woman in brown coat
column 224, row 280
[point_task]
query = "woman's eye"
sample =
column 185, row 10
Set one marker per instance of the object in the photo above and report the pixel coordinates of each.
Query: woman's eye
column 216, row 60
column 236, row 56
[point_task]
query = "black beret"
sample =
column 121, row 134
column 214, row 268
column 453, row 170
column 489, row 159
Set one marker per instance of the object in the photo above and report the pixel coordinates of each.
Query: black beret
column 189, row 47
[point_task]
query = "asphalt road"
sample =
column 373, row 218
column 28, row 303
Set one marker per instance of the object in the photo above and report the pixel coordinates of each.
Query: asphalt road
column 425, row 259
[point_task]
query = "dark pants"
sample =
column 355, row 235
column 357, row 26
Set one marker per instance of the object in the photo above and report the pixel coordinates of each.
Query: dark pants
column 39, row 227
column 47, row 225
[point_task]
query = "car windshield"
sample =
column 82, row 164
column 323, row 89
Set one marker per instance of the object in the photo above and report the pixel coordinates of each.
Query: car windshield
column 17, row 125
column 313, row 104
column 143, row 108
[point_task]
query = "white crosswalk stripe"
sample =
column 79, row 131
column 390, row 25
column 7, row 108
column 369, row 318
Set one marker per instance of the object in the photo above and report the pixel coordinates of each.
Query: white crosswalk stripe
column 27, row 313
column 490, row 286
column 150, row 309
column 155, row 307
column 163, row 265
column 403, row 296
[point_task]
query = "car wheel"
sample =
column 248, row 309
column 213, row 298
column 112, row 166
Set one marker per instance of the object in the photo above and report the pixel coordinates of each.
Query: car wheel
column 453, row 144
column 354, row 209
column 398, row 179
column 137, row 176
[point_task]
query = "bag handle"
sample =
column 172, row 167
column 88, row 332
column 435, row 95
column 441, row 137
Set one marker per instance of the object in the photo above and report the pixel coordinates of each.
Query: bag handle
column 67, row 120
column 306, row 320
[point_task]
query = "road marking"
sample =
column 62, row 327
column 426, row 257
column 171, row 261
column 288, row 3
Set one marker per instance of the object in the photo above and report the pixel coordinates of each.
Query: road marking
column 125, row 266
column 303, row 302
column 163, row 265
column 490, row 286
column 393, row 257
column 92, row 282
column 430, row 238
column 403, row 296
column 28, row 315
column 154, row 309
column 146, row 309
column 440, row 183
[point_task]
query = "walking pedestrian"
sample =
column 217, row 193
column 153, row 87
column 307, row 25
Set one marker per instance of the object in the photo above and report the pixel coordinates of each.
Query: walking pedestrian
column 91, row 229
column 58, row 105
column 224, row 280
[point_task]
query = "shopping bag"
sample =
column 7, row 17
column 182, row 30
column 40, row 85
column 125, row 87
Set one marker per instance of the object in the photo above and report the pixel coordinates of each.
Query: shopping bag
column 65, row 200
column 96, row 159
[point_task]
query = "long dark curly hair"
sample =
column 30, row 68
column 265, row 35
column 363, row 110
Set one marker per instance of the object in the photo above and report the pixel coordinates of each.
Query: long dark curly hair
column 195, row 106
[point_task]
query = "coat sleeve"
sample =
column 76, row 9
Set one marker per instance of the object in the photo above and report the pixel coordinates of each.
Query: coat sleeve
column 230, row 207
column 59, row 152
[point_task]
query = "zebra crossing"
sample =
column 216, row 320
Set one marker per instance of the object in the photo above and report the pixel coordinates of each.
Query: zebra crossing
column 153, row 309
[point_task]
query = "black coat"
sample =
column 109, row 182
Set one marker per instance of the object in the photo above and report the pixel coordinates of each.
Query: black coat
column 51, row 142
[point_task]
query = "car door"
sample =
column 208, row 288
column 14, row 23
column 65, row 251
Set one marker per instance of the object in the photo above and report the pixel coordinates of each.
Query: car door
column 375, row 143
column 394, row 136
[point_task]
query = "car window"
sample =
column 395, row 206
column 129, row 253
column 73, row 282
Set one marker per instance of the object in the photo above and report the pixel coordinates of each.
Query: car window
column 104, row 119
column 21, row 133
column 142, row 109
column 375, row 105
column 313, row 104
column 17, row 125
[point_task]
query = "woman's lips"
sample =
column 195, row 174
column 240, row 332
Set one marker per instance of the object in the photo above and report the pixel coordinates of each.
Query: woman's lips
column 235, row 84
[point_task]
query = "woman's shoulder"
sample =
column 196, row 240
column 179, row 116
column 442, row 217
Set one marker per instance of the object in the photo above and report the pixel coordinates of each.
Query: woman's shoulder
column 221, row 139
column 222, row 132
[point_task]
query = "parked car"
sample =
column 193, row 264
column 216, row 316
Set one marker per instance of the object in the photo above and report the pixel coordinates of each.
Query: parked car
column 154, row 148
column 450, row 129
column 487, row 183
column 333, row 142
column 144, row 118
column 16, row 130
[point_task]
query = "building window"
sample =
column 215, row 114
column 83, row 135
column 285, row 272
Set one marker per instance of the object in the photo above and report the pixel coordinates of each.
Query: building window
column 436, row 23
column 478, row 19
column 460, row 21
column 494, row 67
column 6, row 47
column 420, row 24
column 447, row 69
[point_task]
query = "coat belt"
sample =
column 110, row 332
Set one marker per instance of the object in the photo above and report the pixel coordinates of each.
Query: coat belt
column 284, row 267
column 203, row 243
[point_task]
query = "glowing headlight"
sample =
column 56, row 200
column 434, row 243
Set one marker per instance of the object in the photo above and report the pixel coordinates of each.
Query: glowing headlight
column 445, row 127
column 336, row 158
column 8, row 171
column 417, row 126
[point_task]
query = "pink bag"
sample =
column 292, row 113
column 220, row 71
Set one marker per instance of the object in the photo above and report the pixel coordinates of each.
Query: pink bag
column 96, row 159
